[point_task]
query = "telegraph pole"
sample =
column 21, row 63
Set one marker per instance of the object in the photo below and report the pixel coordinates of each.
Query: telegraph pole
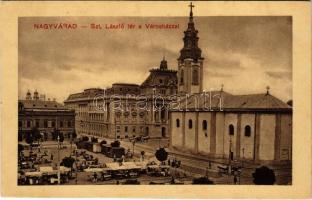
column 243, row 158
column 76, row 165
column 230, row 154
column 58, row 160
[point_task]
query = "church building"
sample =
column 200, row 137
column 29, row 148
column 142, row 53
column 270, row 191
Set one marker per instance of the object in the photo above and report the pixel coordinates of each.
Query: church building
column 217, row 124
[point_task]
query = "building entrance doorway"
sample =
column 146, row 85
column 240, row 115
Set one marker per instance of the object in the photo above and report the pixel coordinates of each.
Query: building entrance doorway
column 163, row 132
column 146, row 131
column 231, row 155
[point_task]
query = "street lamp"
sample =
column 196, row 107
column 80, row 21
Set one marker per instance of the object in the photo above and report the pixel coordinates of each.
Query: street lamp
column 230, row 155
column 76, row 165
column 58, row 160
column 243, row 158
column 133, row 143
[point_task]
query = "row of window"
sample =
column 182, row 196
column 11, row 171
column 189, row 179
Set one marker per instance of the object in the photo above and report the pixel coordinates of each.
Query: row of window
column 133, row 129
column 46, row 124
column 205, row 127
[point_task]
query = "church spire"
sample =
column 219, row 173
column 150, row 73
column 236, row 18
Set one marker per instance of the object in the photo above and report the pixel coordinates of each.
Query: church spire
column 190, row 48
column 191, row 12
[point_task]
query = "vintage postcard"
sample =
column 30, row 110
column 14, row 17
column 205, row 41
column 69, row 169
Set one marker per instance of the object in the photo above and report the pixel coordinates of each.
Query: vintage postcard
column 180, row 99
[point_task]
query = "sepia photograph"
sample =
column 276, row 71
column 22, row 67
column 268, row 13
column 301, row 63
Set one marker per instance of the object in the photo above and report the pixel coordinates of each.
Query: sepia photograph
column 155, row 100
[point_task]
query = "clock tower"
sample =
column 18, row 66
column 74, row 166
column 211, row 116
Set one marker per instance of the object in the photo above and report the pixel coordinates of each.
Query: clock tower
column 190, row 62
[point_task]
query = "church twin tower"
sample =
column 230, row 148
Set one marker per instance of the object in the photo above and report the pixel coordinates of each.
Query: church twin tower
column 190, row 62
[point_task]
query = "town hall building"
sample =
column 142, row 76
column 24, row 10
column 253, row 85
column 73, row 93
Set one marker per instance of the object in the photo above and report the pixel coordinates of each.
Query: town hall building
column 116, row 112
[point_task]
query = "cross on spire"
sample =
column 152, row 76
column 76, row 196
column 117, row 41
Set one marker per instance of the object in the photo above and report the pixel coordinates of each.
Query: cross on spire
column 268, row 89
column 191, row 6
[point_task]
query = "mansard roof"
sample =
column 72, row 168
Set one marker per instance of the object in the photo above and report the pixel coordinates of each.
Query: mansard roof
column 170, row 76
column 85, row 95
column 39, row 104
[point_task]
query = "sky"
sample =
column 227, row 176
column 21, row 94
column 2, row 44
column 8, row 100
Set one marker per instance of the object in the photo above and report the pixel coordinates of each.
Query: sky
column 245, row 54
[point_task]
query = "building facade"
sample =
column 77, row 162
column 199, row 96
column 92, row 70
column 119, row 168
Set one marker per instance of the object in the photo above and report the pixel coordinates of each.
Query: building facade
column 255, row 127
column 217, row 124
column 44, row 115
column 126, row 110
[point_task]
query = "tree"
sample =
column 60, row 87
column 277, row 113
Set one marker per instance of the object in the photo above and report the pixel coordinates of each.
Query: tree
column 161, row 154
column 36, row 134
column 74, row 135
column 20, row 136
column 202, row 180
column 263, row 176
column 85, row 138
column 45, row 136
column 29, row 138
column 142, row 154
column 116, row 143
column 61, row 135
column 20, row 149
column 94, row 140
column 68, row 162
column 55, row 133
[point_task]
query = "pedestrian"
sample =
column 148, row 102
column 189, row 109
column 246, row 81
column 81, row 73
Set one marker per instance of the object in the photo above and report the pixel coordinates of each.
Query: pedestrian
column 235, row 179
column 95, row 177
column 169, row 161
column 102, row 176
column 172, row 180
column 51, row 157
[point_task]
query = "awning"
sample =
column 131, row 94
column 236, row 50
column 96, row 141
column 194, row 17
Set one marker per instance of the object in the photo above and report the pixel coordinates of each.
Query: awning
column 47, row 170
column 64, row 169
column 33, row 174
column 94, row 169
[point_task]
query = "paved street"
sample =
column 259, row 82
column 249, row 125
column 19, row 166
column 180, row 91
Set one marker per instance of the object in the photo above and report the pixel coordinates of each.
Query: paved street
column 198, row 167
column 190, row 167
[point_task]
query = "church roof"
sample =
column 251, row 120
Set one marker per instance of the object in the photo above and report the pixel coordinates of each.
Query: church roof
column 250, row 102
column 126, row 84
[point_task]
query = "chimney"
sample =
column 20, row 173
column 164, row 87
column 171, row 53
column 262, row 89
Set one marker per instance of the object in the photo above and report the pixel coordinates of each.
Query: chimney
column 28, row 95
column 42, row 97
column 36, row 95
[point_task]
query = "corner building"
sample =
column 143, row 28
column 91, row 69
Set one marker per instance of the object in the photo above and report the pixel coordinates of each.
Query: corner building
column 116, row 112
column 46, row 115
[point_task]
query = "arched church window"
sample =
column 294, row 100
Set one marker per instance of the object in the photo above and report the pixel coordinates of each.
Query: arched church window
column 231, row 129
column 181, row 76
column 178, row 122
column 190, row 124
column 247, row 131
column 205, row 125
column 195, row 77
